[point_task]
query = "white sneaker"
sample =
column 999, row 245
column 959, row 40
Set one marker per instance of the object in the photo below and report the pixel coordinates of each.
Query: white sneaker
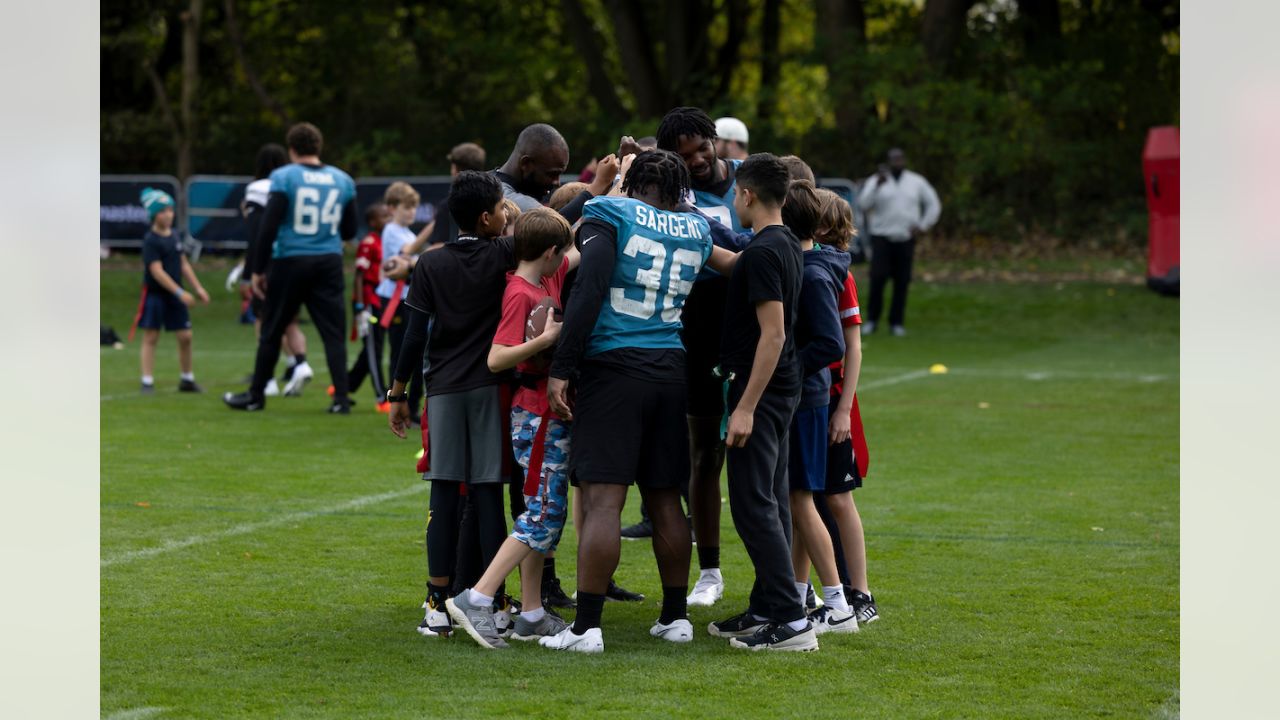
column 678, row 631
column 302, row 374
column 899, row 331
column 273, row 388
column 589, row 642
column 708, row 589
column 828, row 619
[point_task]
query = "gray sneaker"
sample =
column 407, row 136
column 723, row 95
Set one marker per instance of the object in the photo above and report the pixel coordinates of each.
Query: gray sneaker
column 550, row 624
column 477, row 621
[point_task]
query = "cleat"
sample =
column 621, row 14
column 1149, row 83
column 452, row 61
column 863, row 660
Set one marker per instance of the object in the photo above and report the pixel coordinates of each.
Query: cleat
column 708, row 589
column 863, row 606
column 778, row 638
column 436, row 623
column 550, row 625
column 617, row 593
column 828, row 619
column 639, row 531
column 739, row 625
column 477, row 621
column 302, row 374
column 677, row 631
column 243, row 401
column 553, row 595
column 189, row 386
column 591, row 642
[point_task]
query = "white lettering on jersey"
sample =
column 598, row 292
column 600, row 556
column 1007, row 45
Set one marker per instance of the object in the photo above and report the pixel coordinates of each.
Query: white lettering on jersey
column 317, row 178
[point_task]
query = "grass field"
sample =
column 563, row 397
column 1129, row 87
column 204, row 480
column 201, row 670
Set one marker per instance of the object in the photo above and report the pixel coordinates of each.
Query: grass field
column 1021, row 513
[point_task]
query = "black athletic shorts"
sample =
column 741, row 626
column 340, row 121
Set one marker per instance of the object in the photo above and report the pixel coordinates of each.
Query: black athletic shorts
column 703, row 319
column 627, row 430
column 842, row 471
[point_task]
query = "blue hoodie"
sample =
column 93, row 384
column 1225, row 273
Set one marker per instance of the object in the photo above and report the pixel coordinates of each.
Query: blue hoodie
column 819, row 336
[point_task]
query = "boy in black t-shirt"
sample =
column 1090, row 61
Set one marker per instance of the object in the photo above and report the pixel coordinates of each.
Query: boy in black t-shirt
column 759, row 361
column 164, row 303
column 455, row 298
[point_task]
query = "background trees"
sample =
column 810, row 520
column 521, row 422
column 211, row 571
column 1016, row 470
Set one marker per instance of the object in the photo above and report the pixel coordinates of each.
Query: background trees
column 1028, row 115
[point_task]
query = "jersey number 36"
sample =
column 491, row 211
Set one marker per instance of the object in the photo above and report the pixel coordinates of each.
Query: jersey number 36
column 650, row 279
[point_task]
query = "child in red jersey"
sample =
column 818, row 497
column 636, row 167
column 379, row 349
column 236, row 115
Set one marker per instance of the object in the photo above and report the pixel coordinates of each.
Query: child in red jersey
column 365, row 305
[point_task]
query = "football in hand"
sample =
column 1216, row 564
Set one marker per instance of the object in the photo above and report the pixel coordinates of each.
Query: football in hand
column 537, row 321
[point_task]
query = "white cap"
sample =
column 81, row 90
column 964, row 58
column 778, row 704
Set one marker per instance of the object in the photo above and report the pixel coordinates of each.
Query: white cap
column 729, row 128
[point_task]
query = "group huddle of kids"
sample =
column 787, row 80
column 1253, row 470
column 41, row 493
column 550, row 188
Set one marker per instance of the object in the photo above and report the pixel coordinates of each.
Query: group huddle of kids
column 712, row 320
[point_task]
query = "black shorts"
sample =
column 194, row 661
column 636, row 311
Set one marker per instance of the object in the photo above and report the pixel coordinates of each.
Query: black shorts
column 842, row 471
column 161, row 308
column 627, row 430
column 703, row 320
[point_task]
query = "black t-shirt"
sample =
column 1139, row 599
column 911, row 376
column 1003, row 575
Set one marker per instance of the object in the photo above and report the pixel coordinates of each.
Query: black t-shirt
column 460, row 287
column 770, row 268
column 168, row 250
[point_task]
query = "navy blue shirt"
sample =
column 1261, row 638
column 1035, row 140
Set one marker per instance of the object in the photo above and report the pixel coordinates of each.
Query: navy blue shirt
column 168, row 250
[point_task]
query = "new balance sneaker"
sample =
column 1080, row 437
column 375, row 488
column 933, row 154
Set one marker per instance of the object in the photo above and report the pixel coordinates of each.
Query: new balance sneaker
column 302, row 374
column 828, row 619
column 189, row 386
column 243, row 401
column 549, row 625
column 639, row 531
column 553, row 595
column 779, row 637
column 477, row 621
column 502, row 614
column 591, row 641
column 617, row 593
column 708, row 589
column 864, row 606
column 677, row 631
column 272, row 389
column 737, row 626
column 437, row 622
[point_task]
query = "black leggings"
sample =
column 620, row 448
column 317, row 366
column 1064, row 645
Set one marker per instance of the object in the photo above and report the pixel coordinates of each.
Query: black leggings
column 445, row 520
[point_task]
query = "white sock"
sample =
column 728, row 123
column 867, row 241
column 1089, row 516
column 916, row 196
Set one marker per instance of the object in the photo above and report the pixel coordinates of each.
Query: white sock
column 190, row 377
column 148, row 380
column 533, row 615
column 479, row 600
column 710, row 573
column 833, row 596
column 798, row 624
column 803, row 589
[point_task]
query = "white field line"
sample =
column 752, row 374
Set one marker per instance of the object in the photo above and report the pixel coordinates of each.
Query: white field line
column 883, row 382
column 134, row 713
column 1039, row 375
column 244, row 529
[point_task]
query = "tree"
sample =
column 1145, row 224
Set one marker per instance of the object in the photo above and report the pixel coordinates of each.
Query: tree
column 842, row 34
column 942, row 28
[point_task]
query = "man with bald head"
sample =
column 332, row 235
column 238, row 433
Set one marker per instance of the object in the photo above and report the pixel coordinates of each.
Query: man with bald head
column 534, row 168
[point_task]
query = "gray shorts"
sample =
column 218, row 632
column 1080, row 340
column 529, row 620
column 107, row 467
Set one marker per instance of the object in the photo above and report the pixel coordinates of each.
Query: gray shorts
column 467, row 433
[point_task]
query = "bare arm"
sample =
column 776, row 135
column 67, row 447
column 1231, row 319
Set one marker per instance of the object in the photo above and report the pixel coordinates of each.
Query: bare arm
column 505, row 357
column 773, row 334
column 722, row 261
column 415, row 247
column 839, row 426
column 189, row 274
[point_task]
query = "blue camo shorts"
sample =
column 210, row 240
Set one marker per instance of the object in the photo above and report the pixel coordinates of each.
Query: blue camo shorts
column 542, row 522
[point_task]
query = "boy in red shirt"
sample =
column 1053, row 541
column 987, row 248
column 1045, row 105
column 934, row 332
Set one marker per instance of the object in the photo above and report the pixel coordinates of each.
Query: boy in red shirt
column 543, row 245
column 365, row 305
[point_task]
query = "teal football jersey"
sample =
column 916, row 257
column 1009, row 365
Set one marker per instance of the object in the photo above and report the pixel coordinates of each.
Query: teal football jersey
column 659, row 254
column 720, row 207
column 316, row 198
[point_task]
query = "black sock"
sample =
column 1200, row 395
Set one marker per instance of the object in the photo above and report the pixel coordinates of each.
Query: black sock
column 590, row 605
column 300, row 358
column 437, row 594
column 548, row 569
column 673, row 604
column 708, row 557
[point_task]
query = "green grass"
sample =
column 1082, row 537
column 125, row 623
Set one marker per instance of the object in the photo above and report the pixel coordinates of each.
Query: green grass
column 1022, row 532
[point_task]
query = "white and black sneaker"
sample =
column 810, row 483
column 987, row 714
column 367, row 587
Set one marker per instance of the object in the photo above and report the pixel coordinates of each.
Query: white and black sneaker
column 591, row 641
column 779, row 637
column 302, row 374
column 437, row 622
column 243, row 401
column 504, row 607
column 679, row 630
column 863, row 605
column 828, row 619
column 739, row 625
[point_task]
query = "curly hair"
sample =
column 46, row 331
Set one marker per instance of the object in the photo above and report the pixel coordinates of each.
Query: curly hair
column 662, row 169
column 684, row 121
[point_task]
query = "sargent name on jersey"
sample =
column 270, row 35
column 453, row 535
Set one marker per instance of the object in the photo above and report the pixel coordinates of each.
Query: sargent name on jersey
column 681, row 226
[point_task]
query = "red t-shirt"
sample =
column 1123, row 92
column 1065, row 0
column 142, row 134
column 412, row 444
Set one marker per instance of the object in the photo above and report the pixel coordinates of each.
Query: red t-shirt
column 850, row 315
column 368, row 262
column 518, row 300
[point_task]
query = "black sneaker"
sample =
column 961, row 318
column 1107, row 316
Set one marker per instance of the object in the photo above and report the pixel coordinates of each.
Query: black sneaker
column 810, row 600
column 639, row 531
column 340, row 408
column 553, row 595
column 779, row 637
column 243, row 401
column 737, row 626
column 618, row 593
column 189, row 386
column 863, row 606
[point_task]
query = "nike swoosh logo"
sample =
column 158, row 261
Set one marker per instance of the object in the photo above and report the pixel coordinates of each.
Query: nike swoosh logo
column 593, row 237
